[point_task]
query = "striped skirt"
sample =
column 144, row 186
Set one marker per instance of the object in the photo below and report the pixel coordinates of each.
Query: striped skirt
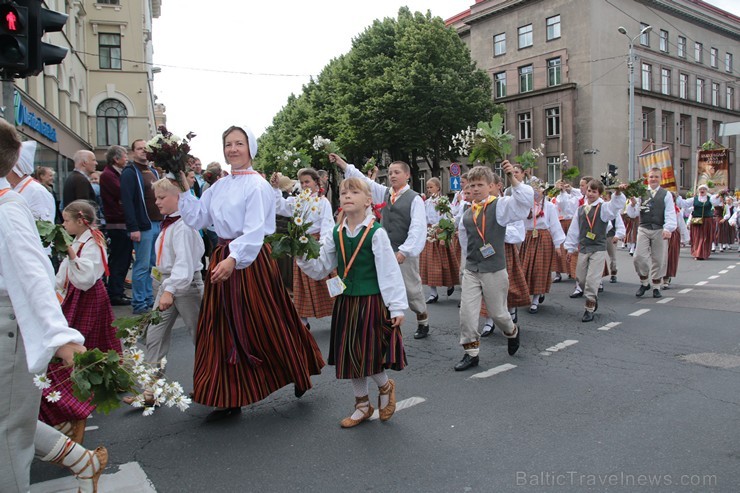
column 89, row 312
column 725, row 233
column 363, row 342
column 560, row 264
column 701, row 238
column 439, row 265
column 250, row 341
column 674, row 251
column 311, row 298
column 537, row 255
column 631, row 226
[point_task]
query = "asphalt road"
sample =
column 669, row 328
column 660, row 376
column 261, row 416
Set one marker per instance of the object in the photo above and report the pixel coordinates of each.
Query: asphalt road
column 645, row 398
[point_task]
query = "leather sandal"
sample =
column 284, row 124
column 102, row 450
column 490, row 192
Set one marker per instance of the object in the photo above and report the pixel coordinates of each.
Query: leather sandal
column 388, row 389
column 102, row 455
column 148, row 399
column 360, row 402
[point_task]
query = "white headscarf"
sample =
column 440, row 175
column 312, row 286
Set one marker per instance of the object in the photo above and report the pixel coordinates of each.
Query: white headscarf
column 251, row 138
column 25, row 159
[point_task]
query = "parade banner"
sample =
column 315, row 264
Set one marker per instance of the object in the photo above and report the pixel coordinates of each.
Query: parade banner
column 660, row 158
column 712, row 169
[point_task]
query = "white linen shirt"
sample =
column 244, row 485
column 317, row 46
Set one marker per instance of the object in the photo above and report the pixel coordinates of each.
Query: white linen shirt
column 322, row 221
column 390, row 280
column 430, row 210
column 39, row 199
column 417, row 237
column 549, row 221
column 85, row 270
column 568, row 203
column 180, row 256
column 240, row 207
column 608, row 211
column 27, row 279
column 669, row 216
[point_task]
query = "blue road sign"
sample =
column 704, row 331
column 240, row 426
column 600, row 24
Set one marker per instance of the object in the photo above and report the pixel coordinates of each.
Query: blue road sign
column 455, row 183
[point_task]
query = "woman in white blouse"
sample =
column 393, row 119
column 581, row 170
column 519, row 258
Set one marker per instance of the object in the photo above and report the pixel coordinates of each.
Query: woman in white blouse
column 250, row 341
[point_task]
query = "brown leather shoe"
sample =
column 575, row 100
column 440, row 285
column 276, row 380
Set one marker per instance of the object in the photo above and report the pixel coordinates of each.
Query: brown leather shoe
column 388, row 389
column 360, row 402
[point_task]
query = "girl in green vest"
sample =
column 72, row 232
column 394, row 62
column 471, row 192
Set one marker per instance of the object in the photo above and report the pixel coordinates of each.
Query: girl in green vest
column 370, row 302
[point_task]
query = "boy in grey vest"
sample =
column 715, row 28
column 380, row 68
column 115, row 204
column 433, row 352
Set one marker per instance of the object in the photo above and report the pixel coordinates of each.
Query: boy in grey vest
column 485, row 275
column 405, row 221
column 588, row 235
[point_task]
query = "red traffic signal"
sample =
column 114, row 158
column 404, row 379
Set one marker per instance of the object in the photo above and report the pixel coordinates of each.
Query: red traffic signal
column 13, row 38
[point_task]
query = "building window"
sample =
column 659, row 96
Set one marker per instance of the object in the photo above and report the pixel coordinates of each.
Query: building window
column 730, row 98
column 715, row 130
column 682, row 47
column 647, row 76
column 713, row 57
column 664, row 41
column 112, row 123
column 499, row 44
column 699, row 90
column 110, row 51
column 701, row 130
column 553, row 169
column 644, row 37
column 698, row 52
column 682, row 130
column 553, row 27
column 665, row 81
column 526, row 78
column 525, row 126
column 553, row 72
column 683, row 86
column 645, row 125
column 525, row 36
column 553, row 121
column 715, row 94
column 109, row 2
column 500, row 84
column 728, row 62
column 665, row 127
column 682, row 167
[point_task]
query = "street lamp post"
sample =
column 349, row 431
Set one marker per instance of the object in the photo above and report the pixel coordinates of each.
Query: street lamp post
column 631, row 68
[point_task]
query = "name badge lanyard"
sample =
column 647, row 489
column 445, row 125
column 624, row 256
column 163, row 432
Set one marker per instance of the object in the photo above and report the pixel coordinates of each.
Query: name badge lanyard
column 591, row 221
column 348, row 266
column 534, row 218
column 482, row 230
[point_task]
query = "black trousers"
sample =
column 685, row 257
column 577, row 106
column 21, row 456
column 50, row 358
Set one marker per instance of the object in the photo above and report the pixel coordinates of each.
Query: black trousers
column 119, row 260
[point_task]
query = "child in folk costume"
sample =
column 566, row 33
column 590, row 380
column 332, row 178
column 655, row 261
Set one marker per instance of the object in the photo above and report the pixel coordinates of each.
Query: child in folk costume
column 567, row 207
column 544, row 236
column 250, row 340
column 588, row 234
column 366, row 334
column 726, row 231
column 570, row 199
column 311, row 298
column 437, row 263
column 678, row 237
column 702, row 223
column 86, row 306
column 485, row 264
column 614, row 232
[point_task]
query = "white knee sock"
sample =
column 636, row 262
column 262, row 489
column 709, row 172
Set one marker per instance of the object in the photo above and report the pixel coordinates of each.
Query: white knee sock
column 536, row 300
column 359, row 387
column 381, row 379
column 433, row 291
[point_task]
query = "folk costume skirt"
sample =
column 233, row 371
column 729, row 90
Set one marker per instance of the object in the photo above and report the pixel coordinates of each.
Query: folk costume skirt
column 674, row 251
column 250, row 341
column 537, row 256
column 91, row 313
column 725, row 233
column 518, row 289
column 439, row 265
column 701, row 238
column 631, row 225
column 311, row 298
column 561, row 264
column 363, row 341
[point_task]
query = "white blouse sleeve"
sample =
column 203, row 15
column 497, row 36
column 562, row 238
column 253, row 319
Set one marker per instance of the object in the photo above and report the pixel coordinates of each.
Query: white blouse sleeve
column 553, row 224
column 417, row 237
column 196, row 212
column 318, row 268
column 283, row 206
column 259, row 205
column 327, row 218
column 376, row 188
column 390, row 279
column 188, row 251
column 516, row 206
column 85, row 270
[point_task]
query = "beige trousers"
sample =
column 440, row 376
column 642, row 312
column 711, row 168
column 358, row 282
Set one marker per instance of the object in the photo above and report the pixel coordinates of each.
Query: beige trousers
column 493, row 287
column 186, row 305
column 414, row 292
column 611, row 251
column 651, row 254
column 588, row 272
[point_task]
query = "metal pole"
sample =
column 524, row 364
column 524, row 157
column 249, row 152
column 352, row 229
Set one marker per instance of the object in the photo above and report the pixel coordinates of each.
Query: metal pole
column 8, row 108
column 631, row 66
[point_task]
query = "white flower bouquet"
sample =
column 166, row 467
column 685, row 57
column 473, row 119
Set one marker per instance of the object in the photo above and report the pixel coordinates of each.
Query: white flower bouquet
column 297, row 242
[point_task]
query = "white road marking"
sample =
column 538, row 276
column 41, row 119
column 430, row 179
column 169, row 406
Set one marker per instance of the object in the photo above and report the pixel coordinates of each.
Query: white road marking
column 665, row 300
column 91, row 428
column 494, row 371
column 561, row 345
column 129, row 477
column 639, row 312
column 401, row 405
column 713, row 277
column 684, row 291
column 701, row 283
column 730, row 266
column 724, row 271
column 609, row 326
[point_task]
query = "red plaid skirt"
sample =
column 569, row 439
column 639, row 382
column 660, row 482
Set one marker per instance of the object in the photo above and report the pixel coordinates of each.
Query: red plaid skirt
column 631, row 226
column 439, row 265
column 701, row 239
column 518, row 289
column 311, row 298
column 674, row 250
column 537, row 255
column 560, row 264
column 90, row 313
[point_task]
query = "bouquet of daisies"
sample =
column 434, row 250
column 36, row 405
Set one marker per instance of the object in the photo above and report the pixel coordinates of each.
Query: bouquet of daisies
column 444, row 230
column 297, row 242
column 169, row 152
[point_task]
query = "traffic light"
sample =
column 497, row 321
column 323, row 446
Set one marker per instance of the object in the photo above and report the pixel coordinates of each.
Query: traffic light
column 39, row 21
column 13, row 38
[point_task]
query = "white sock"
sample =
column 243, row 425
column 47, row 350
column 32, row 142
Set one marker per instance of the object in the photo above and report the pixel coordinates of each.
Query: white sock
column 536, row 300
column 489, row 322
column 304, row 320
column 381, row 379
column 359, row 387
column 433, row 291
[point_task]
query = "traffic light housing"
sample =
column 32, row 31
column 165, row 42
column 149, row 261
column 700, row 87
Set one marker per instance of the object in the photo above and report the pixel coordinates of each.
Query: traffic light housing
column 42, row 21
column 14, row 38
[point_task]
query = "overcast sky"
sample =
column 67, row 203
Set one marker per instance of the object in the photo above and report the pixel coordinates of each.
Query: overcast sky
column 229, row 62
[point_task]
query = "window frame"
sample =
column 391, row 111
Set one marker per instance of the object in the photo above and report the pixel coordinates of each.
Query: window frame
column 529, row 75
column 495, row 43
column 497, row 82
column 700, row 85
column 119, row 121
column 681, row 47
column 645, row 36
column 663, row 38
column 698, row 52
column 715, row 94
column 730, row 96
column 521, row 33
column 728, row 62
column 524, row 121
column 554, row 69
column 109, row 48
column 552, row 120
column 713, row 57
column 554, row 166
column 683, row 85
column 665, row 81
column 646, row 75
column 555, row 26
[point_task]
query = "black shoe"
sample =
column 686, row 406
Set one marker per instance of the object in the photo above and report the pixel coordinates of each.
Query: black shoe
column 220, row 414
column 656, row 293
column 601, row 288
column 533, row 309
column 120, row 301
column 577, row 294
column 557, row 278
column 450, row 290
column 613, row 279
column 587, row 316
column 542, row 298
column 467, row 362
column 487, row 330
column 596, row 306
column 308, row 326
column 298, row 393
column 515, row 317
column 641, row 290
column 513, row 343
column 421, row 331
column 432, row 299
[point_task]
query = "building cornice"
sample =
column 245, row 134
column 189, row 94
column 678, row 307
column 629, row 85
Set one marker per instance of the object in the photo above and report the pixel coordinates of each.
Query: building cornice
column 685, row 102
column 570, row 86
column 722, row 22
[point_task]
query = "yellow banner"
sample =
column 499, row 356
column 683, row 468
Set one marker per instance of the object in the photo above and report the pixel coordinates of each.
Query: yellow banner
column 660, row 159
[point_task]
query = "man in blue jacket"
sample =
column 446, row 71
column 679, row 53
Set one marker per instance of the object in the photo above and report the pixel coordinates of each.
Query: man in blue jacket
column 142, row 222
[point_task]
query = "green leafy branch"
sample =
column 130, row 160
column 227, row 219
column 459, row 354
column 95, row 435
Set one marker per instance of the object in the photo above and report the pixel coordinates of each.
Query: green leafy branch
column 54, row 235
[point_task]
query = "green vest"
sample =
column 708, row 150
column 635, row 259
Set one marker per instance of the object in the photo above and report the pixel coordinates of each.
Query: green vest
column 362, row 279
